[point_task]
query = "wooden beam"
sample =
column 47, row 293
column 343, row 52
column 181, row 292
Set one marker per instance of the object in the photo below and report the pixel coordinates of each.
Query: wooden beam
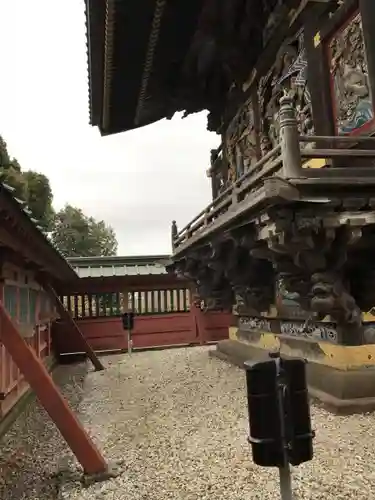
column 50, row 397
column 118, row 283
column 65, row 314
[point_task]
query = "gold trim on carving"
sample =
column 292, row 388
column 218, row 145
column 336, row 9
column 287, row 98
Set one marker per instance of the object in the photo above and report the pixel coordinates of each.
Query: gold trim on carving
column 317, row 163
column 317, row 39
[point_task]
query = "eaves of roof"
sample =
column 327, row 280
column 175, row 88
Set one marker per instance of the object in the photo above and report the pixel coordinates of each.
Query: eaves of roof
column 100, row 267
column 135, row 50
column 56, row 264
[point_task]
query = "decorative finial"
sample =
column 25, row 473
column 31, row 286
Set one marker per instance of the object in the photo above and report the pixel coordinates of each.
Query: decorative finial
column 174, row 230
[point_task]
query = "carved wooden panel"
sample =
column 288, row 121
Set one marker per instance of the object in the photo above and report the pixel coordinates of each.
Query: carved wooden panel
column 316, row 331
column 288, row 74
column 352, row 104
column 241, row 143
column 287, row 305
column 218, row 172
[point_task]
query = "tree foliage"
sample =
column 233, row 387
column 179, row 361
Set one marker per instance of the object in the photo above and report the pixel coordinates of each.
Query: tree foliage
column 4, row 156
column 32, row 187
column 72, row 232
column 77, row 235
column 38, row 196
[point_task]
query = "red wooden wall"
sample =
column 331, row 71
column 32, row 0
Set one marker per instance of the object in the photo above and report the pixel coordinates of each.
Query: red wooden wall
column 164, row 316
column 12, row 383
column 185, row 328
column 28, row 305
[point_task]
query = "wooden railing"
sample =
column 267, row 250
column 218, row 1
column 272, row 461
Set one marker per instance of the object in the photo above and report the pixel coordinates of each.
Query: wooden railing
column 285, row 161
column 141, row 302
column 234, row 194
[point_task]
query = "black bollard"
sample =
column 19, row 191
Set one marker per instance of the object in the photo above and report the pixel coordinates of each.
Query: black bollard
column 279, row 416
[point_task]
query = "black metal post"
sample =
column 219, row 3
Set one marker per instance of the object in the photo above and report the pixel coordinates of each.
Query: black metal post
column 284, row 471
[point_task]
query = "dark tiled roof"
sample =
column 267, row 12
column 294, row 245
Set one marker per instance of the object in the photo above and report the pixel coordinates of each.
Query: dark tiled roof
column 135, row 59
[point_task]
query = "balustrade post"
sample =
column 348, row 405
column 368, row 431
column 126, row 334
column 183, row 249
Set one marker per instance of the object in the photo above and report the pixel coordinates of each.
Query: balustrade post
column 174, row 233
column 290, row 147
column 235, row 195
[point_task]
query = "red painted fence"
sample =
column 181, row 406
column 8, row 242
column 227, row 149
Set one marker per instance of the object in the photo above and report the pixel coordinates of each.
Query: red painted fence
column 163, row 317
column 107, row 334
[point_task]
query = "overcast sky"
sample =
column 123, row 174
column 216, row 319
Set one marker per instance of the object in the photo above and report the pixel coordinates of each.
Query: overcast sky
column 136, row 181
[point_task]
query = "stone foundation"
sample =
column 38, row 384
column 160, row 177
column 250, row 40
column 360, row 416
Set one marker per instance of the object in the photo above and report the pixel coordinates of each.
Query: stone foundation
column 340, row 377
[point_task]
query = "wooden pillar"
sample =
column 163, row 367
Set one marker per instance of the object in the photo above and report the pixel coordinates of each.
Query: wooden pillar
column 216, row 166
column 64, row 314
column 318, row 71
column 214, row 184
column 48, row 394
column 290, row 147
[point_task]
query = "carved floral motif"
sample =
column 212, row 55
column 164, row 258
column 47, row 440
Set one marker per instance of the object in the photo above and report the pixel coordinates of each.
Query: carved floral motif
column 314, row 331
column 349, row 73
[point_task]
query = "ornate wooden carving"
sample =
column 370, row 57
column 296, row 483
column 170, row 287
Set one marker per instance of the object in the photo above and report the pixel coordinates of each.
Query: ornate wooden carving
column 230, row 37
column 318, row 249
column 323, row 265
column 206, row 270
column 241, row 142
column 287, row 303
column 226, row 275
column 218, row 171
column 317, row 331
column 252, row 279
column 288, row 74
column 353, row 106
column 313, row 262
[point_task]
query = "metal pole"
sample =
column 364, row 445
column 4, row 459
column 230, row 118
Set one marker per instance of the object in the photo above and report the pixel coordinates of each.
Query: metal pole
column 285, row 483
column 130, row 342
column 284, row 472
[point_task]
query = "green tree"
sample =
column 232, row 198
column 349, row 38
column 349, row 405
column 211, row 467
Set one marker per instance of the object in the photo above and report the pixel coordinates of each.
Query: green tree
column 10, row 171
column 38, row 196
column 15, row 179
column 77, row 235
column 4, row 156
column 32, row 187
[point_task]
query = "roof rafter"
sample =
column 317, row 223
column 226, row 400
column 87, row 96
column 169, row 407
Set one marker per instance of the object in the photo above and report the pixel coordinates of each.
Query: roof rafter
column 108, row 56
column 153, row 40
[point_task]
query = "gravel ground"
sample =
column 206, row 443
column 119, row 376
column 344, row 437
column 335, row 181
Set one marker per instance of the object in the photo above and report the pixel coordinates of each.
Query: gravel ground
column 178, row 421
column 33, row 451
